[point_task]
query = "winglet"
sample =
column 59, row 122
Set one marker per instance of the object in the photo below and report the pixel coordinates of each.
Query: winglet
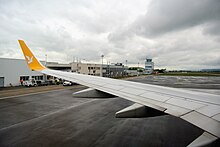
column 32, row 62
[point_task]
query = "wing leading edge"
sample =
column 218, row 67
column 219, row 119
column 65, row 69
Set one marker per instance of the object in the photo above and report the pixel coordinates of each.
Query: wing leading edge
column 200, row 109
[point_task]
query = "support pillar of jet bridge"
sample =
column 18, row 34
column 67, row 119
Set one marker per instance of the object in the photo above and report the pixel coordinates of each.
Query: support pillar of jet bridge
column 92, row 93
column 137, row 110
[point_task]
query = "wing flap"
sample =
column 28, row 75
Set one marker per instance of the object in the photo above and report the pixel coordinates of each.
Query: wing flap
column 206, row 123
column 184, row 103
column 209, row 110
column 156, row 96
column 203, row 140
column 176, row 111
column 217, row 117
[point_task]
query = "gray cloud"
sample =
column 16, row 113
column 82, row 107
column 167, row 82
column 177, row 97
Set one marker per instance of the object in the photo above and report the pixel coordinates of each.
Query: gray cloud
column 212, row 28
column 172, row 15
column 175, row 33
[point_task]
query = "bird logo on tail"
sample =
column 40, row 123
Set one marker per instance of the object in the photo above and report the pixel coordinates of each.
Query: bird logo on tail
column 29, row 60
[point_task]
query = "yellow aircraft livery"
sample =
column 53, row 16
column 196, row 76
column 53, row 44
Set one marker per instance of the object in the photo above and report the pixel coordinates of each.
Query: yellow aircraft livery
column 32, row 62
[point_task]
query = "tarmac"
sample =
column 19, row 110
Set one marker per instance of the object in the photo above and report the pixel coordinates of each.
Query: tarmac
column 196, row 82
column 55, row 118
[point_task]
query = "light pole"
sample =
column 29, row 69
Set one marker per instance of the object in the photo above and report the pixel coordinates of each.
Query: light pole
column 108, row 69
column 102, row 56
column 45, row 59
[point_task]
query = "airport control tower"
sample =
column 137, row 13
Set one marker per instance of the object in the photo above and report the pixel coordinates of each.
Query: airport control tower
column 149, row 66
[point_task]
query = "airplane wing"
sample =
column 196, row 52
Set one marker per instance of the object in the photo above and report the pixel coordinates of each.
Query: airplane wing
column 198, row 108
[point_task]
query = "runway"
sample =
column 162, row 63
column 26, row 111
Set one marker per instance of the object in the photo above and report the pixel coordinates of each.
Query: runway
column 57, row 119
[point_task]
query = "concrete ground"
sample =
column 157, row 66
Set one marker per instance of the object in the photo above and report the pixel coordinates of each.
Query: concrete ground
column 55, row 118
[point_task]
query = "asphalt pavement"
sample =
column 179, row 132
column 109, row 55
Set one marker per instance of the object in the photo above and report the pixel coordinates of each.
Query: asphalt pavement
column 55, row 118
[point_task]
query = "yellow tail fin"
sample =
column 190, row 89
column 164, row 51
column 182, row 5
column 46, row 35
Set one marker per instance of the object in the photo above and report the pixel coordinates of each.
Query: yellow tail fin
column 32, row 62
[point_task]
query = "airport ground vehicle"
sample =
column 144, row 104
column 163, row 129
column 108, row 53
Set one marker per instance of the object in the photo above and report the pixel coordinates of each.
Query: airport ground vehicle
column 67, row 83
column 57, row 81
column 33, row 82
column 30, row 83
column 41, row 83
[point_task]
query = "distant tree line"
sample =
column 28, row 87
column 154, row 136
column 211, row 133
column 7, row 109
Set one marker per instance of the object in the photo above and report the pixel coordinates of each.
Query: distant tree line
column 159, row 70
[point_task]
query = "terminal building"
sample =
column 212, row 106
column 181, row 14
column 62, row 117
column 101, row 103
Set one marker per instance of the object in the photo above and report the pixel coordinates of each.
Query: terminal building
column 149, row 66
column 105, row 70
column 14, row 70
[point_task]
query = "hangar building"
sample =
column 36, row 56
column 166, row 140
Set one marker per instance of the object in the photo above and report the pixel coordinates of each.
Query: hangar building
column 13, row 70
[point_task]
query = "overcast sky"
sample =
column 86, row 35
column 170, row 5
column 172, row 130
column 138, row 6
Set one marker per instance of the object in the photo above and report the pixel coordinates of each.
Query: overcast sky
column 176, row 34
